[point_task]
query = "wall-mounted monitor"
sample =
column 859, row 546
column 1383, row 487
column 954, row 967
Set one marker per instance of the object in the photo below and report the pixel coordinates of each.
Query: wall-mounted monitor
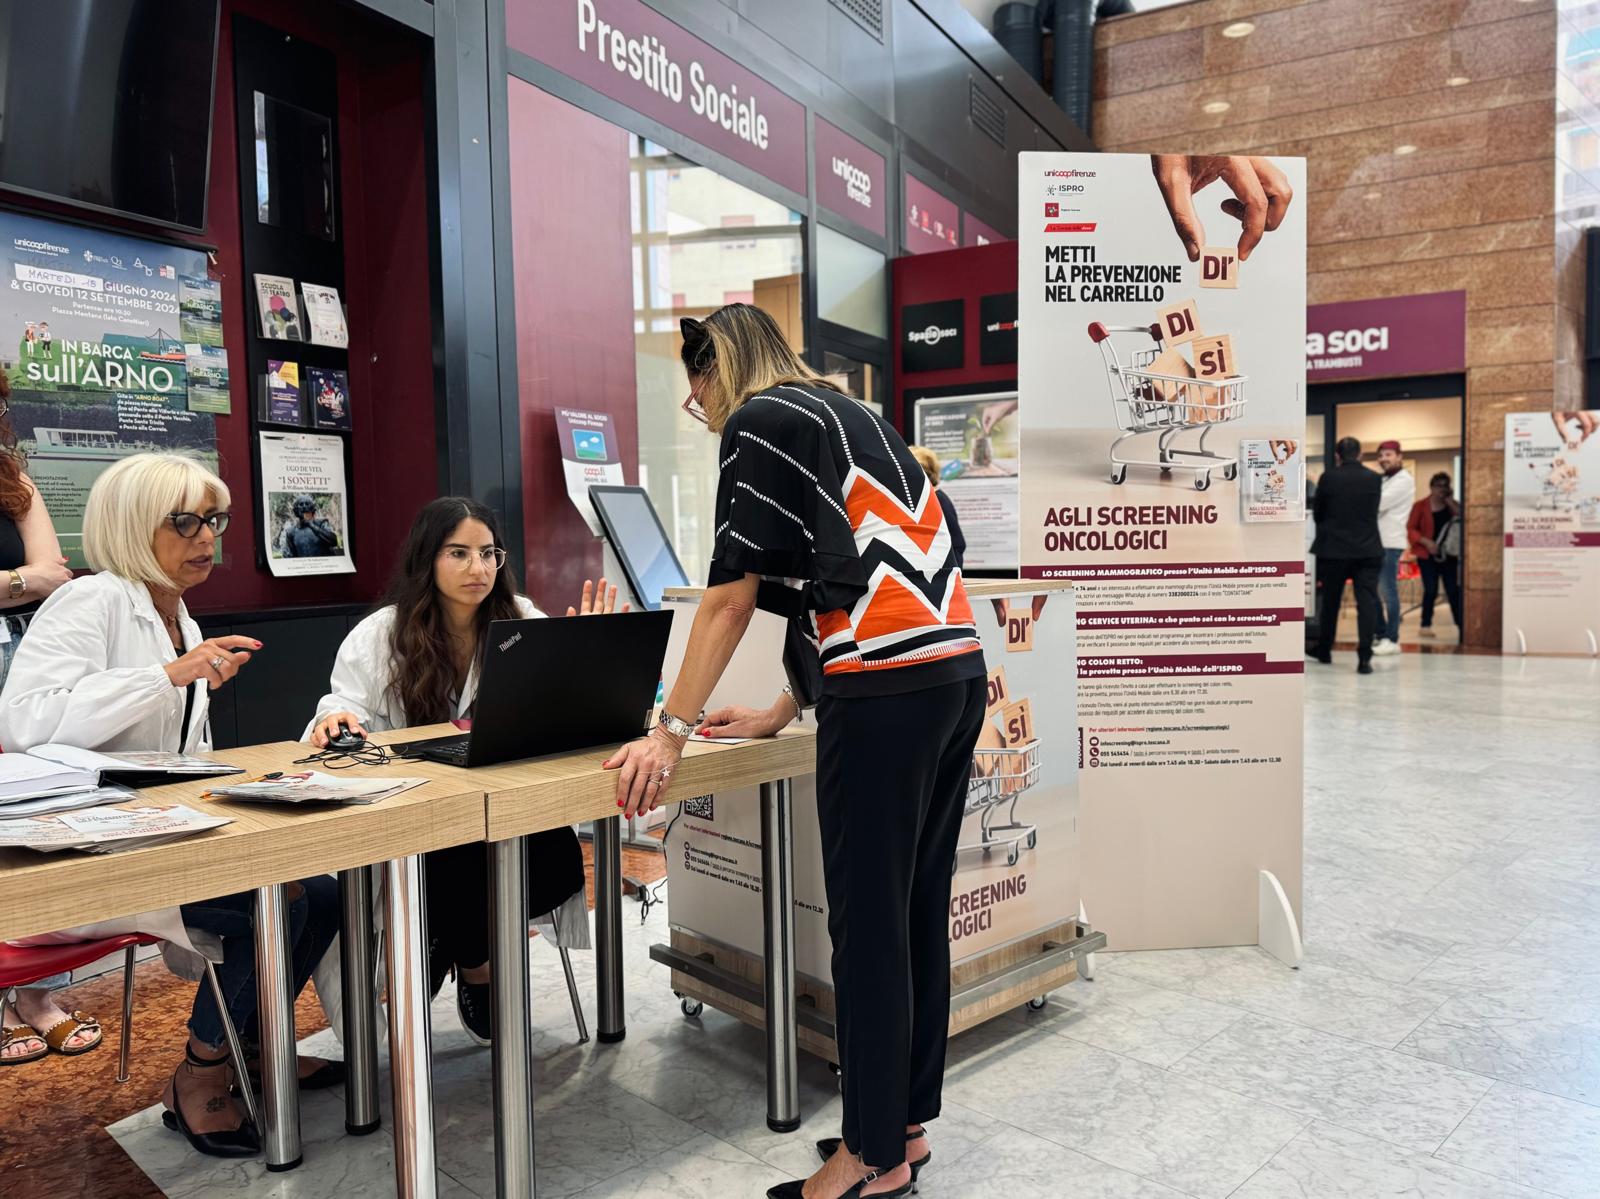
column 106, row 104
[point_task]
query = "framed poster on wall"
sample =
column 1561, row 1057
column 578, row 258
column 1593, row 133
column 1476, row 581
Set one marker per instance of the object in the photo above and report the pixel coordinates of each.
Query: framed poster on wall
column 305, row 504
column 91, row 342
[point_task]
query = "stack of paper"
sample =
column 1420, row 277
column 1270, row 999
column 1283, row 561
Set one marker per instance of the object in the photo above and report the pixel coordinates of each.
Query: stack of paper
column 24, row 778
column 132, row 769
column 109, row 828
column 313, row 786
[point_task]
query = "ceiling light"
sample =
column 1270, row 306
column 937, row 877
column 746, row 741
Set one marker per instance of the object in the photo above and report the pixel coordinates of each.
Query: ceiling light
column 1402, row 151
column 1239, row 29
column 1457, row 81
column 1215, row 107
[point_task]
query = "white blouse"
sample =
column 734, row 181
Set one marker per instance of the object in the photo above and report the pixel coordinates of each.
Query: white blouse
column 89, row 673
column 363, row 676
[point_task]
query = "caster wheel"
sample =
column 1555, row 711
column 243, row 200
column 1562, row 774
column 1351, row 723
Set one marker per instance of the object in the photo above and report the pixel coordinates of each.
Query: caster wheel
column 1119, row 473
column 1166, row 472
column 1037, row 1004
column 1033, row 840
column 1230, row 472
column 835, row 1069
column 1011, row 858
column 1201, row 482
column 691, row 1008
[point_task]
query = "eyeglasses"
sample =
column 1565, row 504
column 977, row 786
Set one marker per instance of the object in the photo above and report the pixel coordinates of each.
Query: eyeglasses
column 461, row 558
column 187, row 524
column 692, row 404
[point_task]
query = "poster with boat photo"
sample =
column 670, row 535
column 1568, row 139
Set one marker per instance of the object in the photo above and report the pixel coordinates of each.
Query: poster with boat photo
column 92, row 345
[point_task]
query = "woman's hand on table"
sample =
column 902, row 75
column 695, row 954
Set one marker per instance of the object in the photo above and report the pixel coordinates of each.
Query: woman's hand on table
column 749, row 722
column 645, row 768
column 598, row 600
column 216, row 660
column 328, row 728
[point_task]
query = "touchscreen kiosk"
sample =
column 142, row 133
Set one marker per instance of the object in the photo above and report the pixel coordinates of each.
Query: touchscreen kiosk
column 639, row 541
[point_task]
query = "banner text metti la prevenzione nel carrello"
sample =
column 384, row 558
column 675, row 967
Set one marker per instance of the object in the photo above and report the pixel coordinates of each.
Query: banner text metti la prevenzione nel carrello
column 1072, row 274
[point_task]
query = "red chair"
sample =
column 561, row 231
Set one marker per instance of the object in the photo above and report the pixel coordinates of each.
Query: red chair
column 24, row 964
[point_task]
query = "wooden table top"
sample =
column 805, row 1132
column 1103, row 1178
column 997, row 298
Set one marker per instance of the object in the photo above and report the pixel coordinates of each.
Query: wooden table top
column 269, row 843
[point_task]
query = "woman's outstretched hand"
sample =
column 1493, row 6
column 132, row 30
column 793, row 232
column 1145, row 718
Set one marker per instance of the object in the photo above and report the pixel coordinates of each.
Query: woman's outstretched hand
column 598, row 600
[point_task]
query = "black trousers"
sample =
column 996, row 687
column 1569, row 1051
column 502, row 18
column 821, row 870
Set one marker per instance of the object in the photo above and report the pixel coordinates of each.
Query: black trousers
column 1434, row 572
column 1363, row 574
column 457, row 887
column 891, row 787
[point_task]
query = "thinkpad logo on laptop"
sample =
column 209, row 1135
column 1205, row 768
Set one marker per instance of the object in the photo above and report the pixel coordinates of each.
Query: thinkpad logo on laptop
column 510, row 641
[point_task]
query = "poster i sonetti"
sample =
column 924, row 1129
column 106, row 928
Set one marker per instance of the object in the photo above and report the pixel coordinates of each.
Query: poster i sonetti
column 305, row 504
column 92, row 345
column 1550, row 581
column 1159, row 332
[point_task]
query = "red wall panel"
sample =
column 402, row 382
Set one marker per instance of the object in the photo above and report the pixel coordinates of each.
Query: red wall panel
column 572, row 255
column 969, row 275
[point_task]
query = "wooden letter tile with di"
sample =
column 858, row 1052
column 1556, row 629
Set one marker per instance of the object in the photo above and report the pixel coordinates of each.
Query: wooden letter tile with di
column 1219, row 267
column 1179, row 323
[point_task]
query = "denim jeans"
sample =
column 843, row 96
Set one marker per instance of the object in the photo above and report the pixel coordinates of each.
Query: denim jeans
column 313, row 923
column 1389, row 593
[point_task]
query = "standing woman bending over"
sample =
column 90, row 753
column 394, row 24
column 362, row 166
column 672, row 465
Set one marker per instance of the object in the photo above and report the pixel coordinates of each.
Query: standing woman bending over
column 31, row 567
column 823, row 515
column 113, row 662
column 415, row 661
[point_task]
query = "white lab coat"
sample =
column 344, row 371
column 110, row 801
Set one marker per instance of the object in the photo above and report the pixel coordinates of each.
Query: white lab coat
column 363, row 674
column 1394, row 508
column 89, row 673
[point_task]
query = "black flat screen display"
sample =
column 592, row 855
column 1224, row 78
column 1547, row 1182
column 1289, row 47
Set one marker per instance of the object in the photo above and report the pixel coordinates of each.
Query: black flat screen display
column 107, row 104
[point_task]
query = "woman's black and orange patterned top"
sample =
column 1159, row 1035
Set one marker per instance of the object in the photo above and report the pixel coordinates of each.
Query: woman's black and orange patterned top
column 823, row 500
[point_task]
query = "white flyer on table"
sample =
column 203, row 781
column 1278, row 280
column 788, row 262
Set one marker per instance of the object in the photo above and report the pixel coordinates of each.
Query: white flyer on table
column 305, row 504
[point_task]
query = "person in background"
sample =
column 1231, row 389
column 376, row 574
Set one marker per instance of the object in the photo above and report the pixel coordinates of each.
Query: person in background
column 31, row 568
column 414, row 662
column 1434, row 531
column 929, row 461
column 1399, row 491
column 113, row 661
column 871, row 578
column 1347, row 547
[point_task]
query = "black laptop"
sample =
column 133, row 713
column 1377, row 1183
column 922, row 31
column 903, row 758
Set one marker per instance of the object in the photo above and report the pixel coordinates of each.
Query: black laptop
column 554, row 684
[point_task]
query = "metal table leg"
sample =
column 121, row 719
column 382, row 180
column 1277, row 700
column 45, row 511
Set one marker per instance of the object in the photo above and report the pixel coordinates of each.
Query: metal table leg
column 608, row 929
column 777, row 910
column 359, row 978
column 510, row 1013
column 280, row 1084
column 410, row 1037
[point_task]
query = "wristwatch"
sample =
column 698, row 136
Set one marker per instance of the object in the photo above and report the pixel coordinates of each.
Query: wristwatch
column 678, row 728
column 19, row 585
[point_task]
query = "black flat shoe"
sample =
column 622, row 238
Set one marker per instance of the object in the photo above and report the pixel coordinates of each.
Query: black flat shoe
column 242, row 1141
column 796, row 1190
column 828, row 1146
column 472, row 1005
column 329, row 1074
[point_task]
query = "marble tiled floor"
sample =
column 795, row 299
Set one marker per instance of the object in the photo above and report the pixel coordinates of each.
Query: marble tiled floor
column 1441, row 1040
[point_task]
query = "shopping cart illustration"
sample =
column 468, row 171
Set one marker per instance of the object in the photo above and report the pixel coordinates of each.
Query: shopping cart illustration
column 1558, row 490
column 1166, row 406
column 998, row 780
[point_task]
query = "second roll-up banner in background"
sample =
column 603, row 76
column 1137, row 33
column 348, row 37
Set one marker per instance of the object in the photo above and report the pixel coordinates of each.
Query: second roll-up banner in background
column 1159, row 349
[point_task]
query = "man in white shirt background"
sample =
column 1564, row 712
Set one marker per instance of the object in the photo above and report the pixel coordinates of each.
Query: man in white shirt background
column 1399, row 493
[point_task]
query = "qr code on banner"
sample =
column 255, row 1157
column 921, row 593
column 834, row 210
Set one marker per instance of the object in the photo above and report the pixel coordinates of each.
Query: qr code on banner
column 701, row 807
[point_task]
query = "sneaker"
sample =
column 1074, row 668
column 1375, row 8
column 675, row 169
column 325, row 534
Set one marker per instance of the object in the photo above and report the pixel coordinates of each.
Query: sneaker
column 1383, row 647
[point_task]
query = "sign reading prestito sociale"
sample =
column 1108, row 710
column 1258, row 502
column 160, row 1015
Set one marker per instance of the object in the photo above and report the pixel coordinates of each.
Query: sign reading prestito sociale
column 1386, row 338
column 628, row 51
column 850, row 179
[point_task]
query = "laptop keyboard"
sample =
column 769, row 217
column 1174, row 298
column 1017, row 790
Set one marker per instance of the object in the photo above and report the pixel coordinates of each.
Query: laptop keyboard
column 455, row 755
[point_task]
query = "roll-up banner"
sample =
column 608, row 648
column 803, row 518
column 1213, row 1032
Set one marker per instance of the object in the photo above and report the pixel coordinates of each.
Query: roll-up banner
column 1550, row 581
column 1162, row 339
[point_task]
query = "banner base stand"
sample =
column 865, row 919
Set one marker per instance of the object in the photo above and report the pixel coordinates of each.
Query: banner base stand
column 1277, row 931
column 1086, row 962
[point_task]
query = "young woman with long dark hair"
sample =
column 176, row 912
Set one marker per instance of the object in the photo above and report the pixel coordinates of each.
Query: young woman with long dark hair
column 415, row 661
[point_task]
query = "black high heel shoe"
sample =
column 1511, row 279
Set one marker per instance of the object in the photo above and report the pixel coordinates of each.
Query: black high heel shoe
column 795, row 1190
column 242, row 1141
column 329, row 1074
column 828, row 1146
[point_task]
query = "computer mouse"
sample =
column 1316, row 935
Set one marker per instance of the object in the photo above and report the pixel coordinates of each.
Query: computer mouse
column 346, row 740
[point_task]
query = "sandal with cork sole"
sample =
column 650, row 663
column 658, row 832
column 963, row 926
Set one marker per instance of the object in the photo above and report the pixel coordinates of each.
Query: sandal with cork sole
column 11, row 1034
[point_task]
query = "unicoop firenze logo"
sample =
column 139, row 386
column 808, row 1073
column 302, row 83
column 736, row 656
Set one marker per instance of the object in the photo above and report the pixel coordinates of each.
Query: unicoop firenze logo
column 857, row 183
column 23, row 243
column 510, row 641
column 930, row 336
column 1069, row 174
